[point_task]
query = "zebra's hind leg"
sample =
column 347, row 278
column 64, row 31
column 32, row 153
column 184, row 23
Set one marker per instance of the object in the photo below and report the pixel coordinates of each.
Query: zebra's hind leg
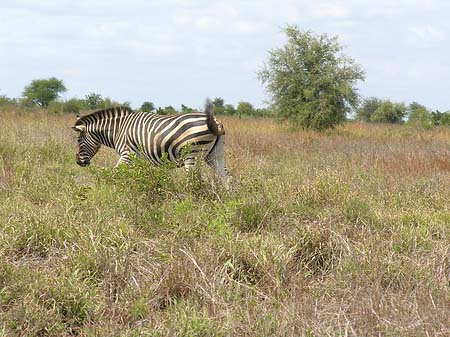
column 216, row 159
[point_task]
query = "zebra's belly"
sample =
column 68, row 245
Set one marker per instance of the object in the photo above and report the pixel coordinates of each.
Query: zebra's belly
column 197, row 147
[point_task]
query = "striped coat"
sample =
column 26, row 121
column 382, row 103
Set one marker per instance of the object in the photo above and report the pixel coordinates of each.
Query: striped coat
column 195, row 135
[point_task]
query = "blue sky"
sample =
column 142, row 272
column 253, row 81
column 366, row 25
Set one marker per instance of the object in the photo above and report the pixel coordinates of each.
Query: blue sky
column 181, row 51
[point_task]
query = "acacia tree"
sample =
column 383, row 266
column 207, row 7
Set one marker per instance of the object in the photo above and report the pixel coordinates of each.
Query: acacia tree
column 310, row 82
column 43, row 91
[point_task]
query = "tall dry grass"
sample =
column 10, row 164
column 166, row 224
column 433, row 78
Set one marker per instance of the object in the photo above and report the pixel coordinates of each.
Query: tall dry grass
column 342, row 233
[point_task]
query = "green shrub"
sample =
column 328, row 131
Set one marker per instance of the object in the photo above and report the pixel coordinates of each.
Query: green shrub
column 139, row 179
column 421, row 118
column 389, row 112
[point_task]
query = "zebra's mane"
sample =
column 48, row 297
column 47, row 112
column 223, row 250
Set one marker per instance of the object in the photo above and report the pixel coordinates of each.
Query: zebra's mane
column 123, row 110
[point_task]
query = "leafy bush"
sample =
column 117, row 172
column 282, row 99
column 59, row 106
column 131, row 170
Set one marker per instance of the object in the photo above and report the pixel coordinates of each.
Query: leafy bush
column 421, row 118
column 139, row 178
column 147, row 106
column 368, row 108
column 389, row 112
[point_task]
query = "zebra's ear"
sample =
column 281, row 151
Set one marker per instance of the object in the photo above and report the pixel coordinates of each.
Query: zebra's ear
column 79, row 128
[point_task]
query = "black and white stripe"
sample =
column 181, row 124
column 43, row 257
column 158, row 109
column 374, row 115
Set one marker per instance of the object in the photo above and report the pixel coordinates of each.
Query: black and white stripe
column 155, row 136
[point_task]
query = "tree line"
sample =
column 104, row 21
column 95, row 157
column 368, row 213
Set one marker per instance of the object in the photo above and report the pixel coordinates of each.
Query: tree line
column 375, row 110
column 310, row 82
column 45, row 94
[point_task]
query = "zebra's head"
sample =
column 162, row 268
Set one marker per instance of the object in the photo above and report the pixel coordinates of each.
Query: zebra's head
column 87, row 145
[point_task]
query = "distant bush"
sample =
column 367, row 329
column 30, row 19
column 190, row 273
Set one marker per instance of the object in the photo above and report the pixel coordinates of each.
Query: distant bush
column 389, row 112
column 186, row 109
column 74, row 105
column 441, row 118
column 368, row 108
column 93, row 100
column 147, row 106
column 245, row 109
column 421, row 118
column 6, row 101
column 229, row 109
column 55, row 107
column 168, row 110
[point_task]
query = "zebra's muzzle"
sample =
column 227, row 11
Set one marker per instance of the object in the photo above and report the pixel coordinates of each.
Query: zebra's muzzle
column 82, row 163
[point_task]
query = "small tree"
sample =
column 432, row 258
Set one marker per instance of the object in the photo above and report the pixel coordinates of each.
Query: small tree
column 441, row 118
column 94, row 100
column 421, row 117
column 74, row 105
column 389, row 112
column 219, row 106
column 218, row 102
column 6, row 101
column 229, row 109
column 367, row 109
column 168, row 110
column 43, row 91
column 445, row 120
column 310, row 81
column 147, row 106
column 186, row 109
column 245, row 109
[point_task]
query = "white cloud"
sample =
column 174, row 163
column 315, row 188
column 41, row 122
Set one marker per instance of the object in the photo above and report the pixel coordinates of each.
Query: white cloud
column 329, row 10
column 430, row 34
column 223, row 42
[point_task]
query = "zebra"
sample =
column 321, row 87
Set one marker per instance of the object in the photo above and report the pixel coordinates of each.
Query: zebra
column 181, row 138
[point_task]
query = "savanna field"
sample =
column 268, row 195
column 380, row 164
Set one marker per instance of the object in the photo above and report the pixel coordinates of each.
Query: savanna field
column 340, row 233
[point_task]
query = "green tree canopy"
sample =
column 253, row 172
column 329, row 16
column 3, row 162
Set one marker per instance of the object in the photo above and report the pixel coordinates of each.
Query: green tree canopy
column 219, row 106
column 389, row 112
column 43, row 91
column 94, row 100
column 445, row 120
column 147, row 106
column 168, row 110
column 229, row 109
column 218, row 102
column 367, row 108
column 186, row 109
column 245, row 109
column 441, row 118
column 420, row 117
column 310, row 81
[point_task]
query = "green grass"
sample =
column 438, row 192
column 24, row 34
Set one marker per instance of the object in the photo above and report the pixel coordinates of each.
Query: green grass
column 341, row 233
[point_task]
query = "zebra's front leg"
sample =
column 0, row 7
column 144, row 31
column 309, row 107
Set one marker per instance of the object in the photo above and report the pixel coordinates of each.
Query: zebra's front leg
column 124, row 158
column 189, row 163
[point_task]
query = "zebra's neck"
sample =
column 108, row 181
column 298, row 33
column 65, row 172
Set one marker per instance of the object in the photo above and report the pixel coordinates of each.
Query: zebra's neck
column 105, row 125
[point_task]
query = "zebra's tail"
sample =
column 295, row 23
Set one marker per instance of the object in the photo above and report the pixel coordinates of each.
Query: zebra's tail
column 214, row 125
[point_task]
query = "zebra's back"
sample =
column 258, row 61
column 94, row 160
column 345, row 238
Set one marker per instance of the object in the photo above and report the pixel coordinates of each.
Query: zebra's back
column 156, row 135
